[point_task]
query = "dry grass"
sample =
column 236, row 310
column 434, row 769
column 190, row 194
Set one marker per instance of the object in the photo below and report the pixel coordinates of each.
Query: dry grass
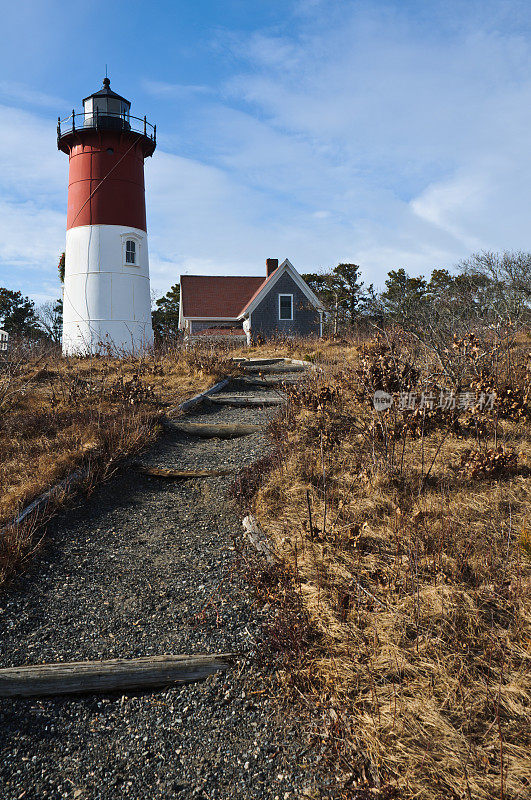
column 60, row 414
column 318, row 351
column 407, row 539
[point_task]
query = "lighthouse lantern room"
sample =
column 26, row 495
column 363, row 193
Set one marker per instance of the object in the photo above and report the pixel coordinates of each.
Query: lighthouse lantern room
column 107, row 304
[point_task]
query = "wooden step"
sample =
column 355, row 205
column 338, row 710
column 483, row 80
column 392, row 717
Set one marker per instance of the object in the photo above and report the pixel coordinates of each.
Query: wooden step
column 208, row 431
column 259, row 361
column 244, row 382
column 270, row 369
column 182, row 474
column 246, row 402
column 103, row 676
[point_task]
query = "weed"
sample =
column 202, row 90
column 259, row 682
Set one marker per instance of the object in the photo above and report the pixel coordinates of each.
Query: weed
column 61, row 414
column 403, row 540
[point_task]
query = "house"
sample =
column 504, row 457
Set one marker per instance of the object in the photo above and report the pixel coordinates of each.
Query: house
column 281, row 303
column 4, row 336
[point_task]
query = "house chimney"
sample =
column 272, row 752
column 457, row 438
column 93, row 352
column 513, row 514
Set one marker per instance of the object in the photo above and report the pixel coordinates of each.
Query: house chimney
column 271, row 265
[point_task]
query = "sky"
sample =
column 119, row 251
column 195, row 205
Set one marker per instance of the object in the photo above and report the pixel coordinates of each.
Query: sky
column 388, row 134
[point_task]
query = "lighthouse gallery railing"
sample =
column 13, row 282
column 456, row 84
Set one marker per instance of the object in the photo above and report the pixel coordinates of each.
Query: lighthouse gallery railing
column 105, row 120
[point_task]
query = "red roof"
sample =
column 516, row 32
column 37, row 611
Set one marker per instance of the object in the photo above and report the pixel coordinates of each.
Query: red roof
column 212, row 296
column 258, row 289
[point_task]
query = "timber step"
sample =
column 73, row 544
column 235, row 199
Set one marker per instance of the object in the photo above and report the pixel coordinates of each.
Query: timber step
column 209, row 431
column 244, row 382
column 246, row 402
column 106, row 676
column 270, row 369
column 182, row 474
column 259, row 361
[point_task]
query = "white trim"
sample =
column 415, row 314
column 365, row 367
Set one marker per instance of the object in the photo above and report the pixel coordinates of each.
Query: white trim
column 285, row 319
column 181, row 318
column 286, row 266
column 213, row 319
column 133, row 237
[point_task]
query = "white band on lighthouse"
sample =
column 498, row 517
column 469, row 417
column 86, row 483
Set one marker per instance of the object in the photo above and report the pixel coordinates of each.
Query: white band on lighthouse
column 107, row 300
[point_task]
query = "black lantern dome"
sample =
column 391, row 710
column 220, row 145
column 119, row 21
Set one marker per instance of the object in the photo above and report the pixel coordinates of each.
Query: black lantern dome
column 106, row 109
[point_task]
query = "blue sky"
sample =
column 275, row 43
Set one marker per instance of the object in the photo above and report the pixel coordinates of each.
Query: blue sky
column 391, row 134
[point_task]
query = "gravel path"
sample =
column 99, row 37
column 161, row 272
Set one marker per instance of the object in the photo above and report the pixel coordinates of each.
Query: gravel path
column 146, row 566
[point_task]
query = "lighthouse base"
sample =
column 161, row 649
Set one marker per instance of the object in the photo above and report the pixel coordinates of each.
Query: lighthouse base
column 83, row 338
column 106, row 304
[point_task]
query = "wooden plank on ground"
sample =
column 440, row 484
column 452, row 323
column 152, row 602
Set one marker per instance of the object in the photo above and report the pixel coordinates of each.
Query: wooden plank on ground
column 195, row 401
column 268, row 369
column 261, row 361
column 242, row 381
column 208, row 431
column 104, row 676
column 246, row 402
column 183, row 474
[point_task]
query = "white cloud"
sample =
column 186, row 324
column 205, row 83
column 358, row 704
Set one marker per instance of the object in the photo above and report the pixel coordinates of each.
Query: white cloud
column 362, row 133
column 21, row 93
column 31, row 167
column 33, row 185
column 418, row 136
column 29, row 235
column 174, row 90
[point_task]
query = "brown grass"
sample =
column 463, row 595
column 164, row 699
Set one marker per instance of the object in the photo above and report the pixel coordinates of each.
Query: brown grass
column 60, row 414
column 415, row 571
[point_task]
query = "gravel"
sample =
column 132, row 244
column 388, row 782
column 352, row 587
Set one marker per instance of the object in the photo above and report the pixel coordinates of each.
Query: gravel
column 146, row 566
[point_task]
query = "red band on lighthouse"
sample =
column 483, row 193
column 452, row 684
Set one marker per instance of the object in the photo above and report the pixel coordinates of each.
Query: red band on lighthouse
column 106, row 181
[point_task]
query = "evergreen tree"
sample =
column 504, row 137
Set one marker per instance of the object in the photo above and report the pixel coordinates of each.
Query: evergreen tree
column 340, row 290
column 349, row 288
column 17, row 314
column 404, row 299
column 165, row 318
column 61, row 268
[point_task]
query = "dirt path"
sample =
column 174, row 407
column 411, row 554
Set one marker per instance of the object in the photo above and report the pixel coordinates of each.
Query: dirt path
column 146, row 566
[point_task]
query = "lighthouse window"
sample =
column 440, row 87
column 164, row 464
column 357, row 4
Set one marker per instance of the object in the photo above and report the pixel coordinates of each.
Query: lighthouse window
column 130, row 252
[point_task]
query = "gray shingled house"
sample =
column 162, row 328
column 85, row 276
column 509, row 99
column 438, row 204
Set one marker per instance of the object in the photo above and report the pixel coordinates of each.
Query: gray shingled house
column 281, row 303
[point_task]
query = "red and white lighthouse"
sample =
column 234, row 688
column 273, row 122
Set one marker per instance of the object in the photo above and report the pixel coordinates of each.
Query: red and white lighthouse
column 107, row 302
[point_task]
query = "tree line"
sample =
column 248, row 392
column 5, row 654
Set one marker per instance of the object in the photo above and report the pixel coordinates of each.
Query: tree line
column 488, row 287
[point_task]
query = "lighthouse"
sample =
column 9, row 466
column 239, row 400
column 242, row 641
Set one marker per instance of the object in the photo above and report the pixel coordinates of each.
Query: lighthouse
column 107, row 303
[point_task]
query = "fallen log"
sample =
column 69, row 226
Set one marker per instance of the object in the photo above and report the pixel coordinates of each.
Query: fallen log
column 207, row 431
column 106, row 676
column 160, row 472
column 244, row 402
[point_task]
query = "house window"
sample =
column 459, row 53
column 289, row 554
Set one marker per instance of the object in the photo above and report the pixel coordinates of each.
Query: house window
column 285, row 306
column 130, row 252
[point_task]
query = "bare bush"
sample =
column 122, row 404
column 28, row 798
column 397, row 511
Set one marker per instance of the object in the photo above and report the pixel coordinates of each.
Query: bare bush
column 406, row 535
